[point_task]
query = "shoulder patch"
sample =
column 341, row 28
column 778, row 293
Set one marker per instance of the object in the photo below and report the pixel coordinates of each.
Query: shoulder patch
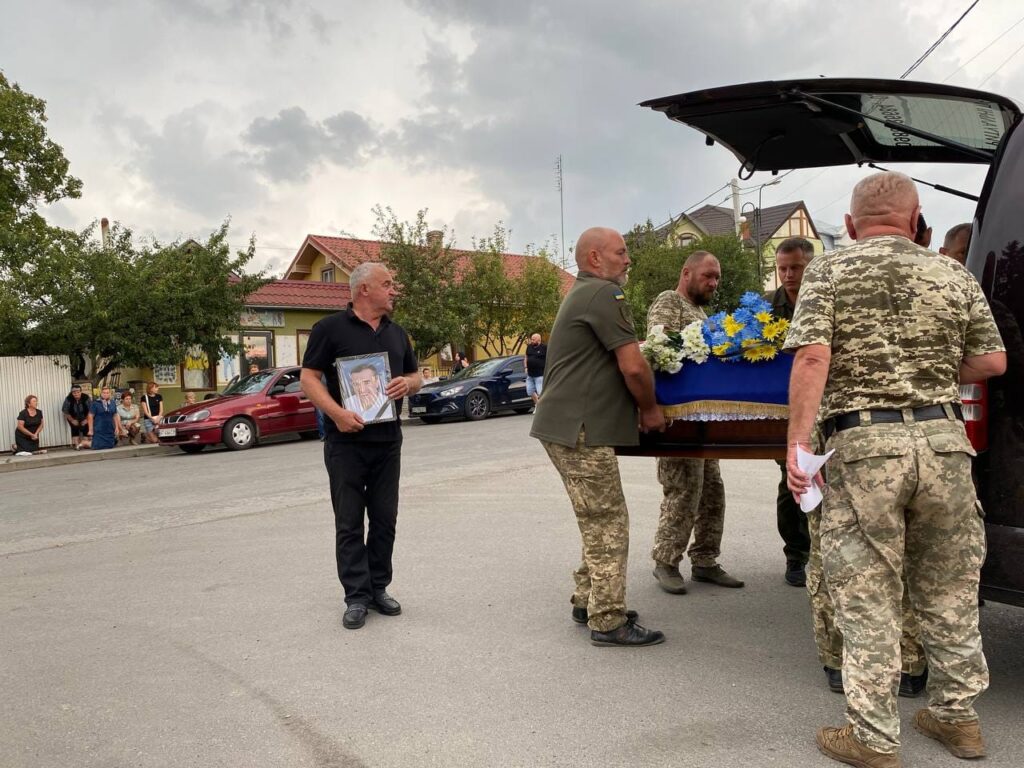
column 619, row 295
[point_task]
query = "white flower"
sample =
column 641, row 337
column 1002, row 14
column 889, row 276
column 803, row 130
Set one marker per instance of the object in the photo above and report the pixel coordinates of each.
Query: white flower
column 694, row 346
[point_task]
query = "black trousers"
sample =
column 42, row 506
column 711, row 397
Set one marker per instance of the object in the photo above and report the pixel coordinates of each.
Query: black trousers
column 364, row 486
column 792, row 522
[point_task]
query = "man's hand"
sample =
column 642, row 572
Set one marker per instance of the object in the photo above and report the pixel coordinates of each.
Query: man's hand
column 652, row 420
column 797, row 480
column 398, row 388
column 348, row 421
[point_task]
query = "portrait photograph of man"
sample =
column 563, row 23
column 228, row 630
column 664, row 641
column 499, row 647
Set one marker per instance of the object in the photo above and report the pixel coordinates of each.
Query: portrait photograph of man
column 364, row 379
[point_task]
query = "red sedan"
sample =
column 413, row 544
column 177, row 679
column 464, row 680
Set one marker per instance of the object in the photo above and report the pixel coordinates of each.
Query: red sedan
column 270, row 402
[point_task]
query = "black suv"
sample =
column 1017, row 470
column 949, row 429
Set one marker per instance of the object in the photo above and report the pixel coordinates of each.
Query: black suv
column 774, row 126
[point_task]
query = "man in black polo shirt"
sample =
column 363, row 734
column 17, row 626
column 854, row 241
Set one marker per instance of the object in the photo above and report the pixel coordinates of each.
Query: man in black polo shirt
column 363, row 460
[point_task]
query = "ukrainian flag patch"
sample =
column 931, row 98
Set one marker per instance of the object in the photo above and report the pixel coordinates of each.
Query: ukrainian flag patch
column 619, row 295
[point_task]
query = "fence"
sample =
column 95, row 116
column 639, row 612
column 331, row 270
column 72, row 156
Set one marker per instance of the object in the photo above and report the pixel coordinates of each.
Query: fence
column 49, row 379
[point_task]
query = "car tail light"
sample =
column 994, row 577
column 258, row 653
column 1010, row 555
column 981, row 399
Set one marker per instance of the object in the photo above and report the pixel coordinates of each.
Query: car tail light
column 975, row 405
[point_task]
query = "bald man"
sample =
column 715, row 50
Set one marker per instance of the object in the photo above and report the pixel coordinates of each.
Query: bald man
column 884, row 334
column 956, row 242
column 596, row 380
column 693, row 495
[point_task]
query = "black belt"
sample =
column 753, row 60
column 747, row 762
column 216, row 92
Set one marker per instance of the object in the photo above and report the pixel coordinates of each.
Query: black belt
column 923, row 413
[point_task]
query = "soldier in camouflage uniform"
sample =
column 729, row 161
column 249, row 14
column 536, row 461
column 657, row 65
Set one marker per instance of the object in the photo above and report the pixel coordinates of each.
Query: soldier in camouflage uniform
column 595, row 379
column 693, row 493
column 884, row 333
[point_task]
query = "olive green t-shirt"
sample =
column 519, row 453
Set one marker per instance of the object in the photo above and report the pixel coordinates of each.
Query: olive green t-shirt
column 583, row 386
column 898, row 319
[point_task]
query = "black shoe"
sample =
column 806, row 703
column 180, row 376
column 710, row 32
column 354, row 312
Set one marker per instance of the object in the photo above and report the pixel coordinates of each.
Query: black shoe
column 835, row 679
column 912, row 686
column 386, row 604
column 629, row 634
column 355, row 616
column 580, row 615
column 796, row 576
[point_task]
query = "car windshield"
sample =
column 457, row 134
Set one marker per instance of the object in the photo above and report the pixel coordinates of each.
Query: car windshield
column 483, row 368
column 250, row 385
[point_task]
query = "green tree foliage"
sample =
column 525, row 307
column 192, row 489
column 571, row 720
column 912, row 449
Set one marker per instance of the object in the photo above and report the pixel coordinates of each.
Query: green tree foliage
column 128, row 304
column 425, row 269
column 502, row 308
column 656, row 266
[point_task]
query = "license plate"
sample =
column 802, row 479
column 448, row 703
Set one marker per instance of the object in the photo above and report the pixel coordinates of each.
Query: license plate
column 170, row 432
column 419, row 409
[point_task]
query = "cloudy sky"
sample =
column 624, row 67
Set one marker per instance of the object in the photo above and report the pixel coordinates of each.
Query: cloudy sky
column 298, row 116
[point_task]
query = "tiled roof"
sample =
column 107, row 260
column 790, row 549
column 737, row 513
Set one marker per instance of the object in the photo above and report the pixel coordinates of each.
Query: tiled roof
column 300, row 294
column 349, row 252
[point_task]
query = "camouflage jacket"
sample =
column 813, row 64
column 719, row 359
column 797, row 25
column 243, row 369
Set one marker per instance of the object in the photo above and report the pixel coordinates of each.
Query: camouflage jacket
column 898, row 319
column 673, row 311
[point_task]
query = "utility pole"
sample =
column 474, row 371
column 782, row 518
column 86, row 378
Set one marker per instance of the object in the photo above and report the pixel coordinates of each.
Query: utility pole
column 561, row 203
column 735, row 184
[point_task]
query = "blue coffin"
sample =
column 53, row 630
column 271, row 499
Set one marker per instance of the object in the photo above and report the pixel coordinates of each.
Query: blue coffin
column 762, row 382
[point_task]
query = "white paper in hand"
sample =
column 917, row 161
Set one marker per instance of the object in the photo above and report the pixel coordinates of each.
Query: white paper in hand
column 810, row 464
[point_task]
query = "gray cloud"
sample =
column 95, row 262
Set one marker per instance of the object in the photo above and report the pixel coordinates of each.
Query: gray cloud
column 289, row 145
column 179, row 163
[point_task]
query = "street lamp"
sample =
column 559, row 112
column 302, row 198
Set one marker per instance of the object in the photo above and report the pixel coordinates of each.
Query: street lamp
column 757, row 224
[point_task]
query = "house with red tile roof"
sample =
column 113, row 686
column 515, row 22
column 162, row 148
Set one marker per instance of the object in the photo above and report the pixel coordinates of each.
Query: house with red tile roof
column 330, row 260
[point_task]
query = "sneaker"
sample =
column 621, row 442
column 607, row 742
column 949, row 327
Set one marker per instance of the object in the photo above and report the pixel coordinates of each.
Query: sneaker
column 912, row 686
column 629, row 634
column 715, row 574
column 669, row 578
column 835, row 679
column 355, row 616
column 962, row 739
column 22, row 453
column 580, row 615
column 796, row 576
column 840, row 744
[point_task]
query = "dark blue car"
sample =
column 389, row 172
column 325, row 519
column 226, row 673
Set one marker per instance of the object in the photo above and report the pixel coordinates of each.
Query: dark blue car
column 498, row 384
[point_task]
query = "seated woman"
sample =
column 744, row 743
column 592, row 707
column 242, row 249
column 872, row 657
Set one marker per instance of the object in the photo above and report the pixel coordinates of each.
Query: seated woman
column 104, row 423
column 131, row 421
column 152, row 412
column 29, row 427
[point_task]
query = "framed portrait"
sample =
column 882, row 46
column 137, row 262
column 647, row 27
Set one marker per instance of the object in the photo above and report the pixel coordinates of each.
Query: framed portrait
column 257, row 349
column 363, row 380
column 228, row 365
column 196, row 371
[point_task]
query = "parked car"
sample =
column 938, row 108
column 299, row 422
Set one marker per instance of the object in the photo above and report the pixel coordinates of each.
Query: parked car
column 486, row 387
column 817, row 123
column 267, row 403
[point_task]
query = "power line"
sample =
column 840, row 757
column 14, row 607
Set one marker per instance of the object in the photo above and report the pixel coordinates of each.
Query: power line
column 938, row 42
column 990, row 44
column 1007, row 61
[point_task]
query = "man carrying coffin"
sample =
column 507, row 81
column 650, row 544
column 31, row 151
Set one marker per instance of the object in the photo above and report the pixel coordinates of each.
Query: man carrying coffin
column 693, row 492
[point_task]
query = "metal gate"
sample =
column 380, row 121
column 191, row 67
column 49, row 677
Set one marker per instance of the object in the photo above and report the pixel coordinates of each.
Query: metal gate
column 49, row 379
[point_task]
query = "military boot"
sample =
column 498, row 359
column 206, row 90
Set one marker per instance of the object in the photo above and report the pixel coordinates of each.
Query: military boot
column 840, row 744
column 962, row 739
column 716, row 575
column 669, row 579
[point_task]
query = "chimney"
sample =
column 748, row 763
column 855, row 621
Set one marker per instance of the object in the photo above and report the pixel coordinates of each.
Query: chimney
column 435, row 238
column 105, row 232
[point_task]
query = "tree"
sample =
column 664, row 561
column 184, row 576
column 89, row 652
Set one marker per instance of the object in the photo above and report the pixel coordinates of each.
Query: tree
column 425, row 269
column 503, row 309
column 127, row 304
column 656, row 266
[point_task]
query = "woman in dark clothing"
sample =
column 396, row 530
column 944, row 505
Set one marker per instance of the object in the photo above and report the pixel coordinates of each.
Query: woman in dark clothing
column 28, row 429
column 76, row 413
column 104, row 423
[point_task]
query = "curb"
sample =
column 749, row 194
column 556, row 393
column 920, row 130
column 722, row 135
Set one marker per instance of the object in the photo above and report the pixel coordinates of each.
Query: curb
column 9, row 463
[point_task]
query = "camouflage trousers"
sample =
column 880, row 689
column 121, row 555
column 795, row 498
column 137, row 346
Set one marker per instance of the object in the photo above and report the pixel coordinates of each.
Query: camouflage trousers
column 693, row 501
column 901, row 502
column 827, row 636
column 591, row 478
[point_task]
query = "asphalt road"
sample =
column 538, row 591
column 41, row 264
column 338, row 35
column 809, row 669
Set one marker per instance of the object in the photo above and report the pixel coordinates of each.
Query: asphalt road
column 184, row 611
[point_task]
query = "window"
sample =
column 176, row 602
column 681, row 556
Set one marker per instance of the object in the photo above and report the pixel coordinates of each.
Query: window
column 516, row 366
column 327, row 275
